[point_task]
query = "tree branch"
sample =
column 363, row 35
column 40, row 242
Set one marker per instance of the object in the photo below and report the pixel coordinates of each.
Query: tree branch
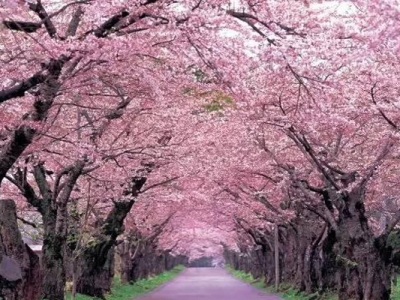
column 27, row 222
column 20, row 140
column 245, row 17
column 20, row 181
column 74, row 172
column 378, row 161
column 39, row 173
column 328, row 216
column 22, row 87
column 302, row 143
column 267, row 204
column 103, row 30
column 43, row 15
column 74, row 23
column 384, row 116
column 159, row 183
column 27, row 27
column 59, row 175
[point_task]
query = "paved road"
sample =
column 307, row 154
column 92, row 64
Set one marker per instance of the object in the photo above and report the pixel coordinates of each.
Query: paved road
column 207, row 284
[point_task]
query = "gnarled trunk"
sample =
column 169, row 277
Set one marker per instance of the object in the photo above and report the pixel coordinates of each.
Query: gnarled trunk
column 364, row 261
column 52, row 259
column 95, row 269
column 19, row 265
column 95, row 264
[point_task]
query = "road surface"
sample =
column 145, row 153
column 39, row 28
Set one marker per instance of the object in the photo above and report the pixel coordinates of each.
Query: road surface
column 207, row 284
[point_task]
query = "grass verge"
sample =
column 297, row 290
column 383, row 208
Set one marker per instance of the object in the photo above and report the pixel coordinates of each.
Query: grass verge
column 120, row 291
column 287, row 292
column 396, row 291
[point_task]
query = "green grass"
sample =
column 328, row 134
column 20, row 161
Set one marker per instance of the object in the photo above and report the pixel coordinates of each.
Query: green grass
column 122, row 291
column 287, row 292
column 247, row 277
column 396, row 291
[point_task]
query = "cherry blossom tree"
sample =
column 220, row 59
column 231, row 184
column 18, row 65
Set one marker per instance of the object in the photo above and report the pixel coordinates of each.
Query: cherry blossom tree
column 251, row 114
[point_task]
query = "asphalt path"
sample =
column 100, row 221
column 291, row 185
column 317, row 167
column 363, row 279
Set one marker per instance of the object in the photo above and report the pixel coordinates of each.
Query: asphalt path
column 207, row 284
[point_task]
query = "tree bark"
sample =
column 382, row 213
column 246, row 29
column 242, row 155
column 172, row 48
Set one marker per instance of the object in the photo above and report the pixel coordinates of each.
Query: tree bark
column 53, row 258
column 364, row 260
column 19, row 265
column 55, row 221
column 93, row 261
column 94, row 268
column 276, row 253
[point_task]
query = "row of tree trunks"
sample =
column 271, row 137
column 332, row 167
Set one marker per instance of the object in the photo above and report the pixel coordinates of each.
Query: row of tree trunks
column 314, row 258
column 305, row 255
column 139, row 258
column 363, row 260
column 20, row 274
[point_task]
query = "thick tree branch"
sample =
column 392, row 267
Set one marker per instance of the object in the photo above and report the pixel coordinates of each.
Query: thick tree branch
column 39, row 173
column 53, row 68
column 73, row 172
column 57, row 186
column 159, row 184
column 74, row 23
column 103, row 29
column 327, row 214
column 303, row 143
column 21, row 182
column 22, row 87
column 20, row 140
column 27, row 27
column 312, row 188
column 27, row 222
column 43, row 15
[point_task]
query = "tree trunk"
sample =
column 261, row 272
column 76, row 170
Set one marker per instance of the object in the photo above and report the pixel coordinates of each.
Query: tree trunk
column 364, row 271
column 19, row 265
column 125, row 260
column 95, row 264
column 95, row 269
column 328, row 263
column 276, row 253
column 53, row 284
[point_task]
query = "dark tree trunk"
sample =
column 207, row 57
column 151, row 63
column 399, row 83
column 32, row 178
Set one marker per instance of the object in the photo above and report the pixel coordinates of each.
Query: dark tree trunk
column 55, row 220
column 328, row 262
column 19, row 265
column 97, row 260
column 94, row 270
column 364, row 271
column 53, row 258
column 125, row 260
